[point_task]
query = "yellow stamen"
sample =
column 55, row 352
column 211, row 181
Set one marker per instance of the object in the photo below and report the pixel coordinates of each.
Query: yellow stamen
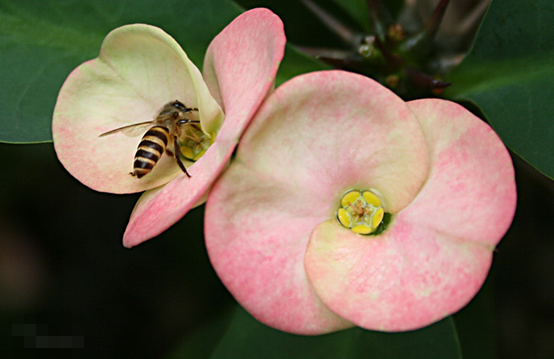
column 362, row 229
column 371, row 198
column 187, row 152
column 361, row 211
column 377, row 217
column 344, row 217
column 349, row 198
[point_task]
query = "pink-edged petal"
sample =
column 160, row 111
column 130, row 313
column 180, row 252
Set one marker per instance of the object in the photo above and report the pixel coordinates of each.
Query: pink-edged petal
column 160, row 208
column 405, row 279
column 436, row 253
column 331, row 131
column 256, row 233
column 240, row 67
column 310, row 141
column 139, row 70
column 471, row 192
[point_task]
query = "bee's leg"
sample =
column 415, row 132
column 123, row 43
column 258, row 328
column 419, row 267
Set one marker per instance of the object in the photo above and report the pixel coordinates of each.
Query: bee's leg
column 178, row 157
column 194, row 138
column 167, row 150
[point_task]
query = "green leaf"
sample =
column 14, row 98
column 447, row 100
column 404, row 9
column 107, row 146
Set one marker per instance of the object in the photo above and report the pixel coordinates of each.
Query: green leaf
column 357, row 9
column 303, row 27
column 203, row 341
column 296, row 63
column 439, row 340
column 43, row 41
column 509, row 76
column 475, row 323
column 248, row 338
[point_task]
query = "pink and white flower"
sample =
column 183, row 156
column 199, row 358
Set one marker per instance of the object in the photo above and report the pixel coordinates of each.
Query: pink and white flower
column 271, row 226
column 140, row 69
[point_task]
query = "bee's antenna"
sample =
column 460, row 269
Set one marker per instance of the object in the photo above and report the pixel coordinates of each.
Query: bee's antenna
column 183, row 122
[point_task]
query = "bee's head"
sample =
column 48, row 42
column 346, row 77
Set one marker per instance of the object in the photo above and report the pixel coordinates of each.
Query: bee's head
column 180, row 106
column 176, row 109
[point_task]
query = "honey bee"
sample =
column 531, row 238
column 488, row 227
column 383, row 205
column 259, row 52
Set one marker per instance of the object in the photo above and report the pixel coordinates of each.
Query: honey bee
column 164, row 131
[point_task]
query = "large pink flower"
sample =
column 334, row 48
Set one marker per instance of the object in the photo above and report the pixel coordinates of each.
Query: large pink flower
column 442, row 175
column 140, row 69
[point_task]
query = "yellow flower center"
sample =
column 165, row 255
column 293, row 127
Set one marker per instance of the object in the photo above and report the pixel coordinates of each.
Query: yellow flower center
column 194, row 142
column 361, row 211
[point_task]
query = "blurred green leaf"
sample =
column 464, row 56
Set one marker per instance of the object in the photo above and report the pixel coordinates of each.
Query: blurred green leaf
column 475, row 323
column 439, row 340
column 296, row 63
column 357, row 9
column 203, row 341
column 303, row 27
column 43, row 41
column 248, row 338
column 509, row 76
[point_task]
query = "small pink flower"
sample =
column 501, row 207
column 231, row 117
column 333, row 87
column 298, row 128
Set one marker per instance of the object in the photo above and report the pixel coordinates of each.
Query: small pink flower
column 271, row 225
column 140, row 69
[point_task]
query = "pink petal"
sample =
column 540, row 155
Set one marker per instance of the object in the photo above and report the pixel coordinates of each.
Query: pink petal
column 160, row 208
column 472, row 183
column 139, row 70
column 405, row 279
column 328, row 132
column 240, row 66
column 311, row 141
column 256, row 234
column 436, row 253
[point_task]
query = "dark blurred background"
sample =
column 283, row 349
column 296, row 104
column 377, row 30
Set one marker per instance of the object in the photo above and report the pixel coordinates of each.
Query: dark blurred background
column 62, row 263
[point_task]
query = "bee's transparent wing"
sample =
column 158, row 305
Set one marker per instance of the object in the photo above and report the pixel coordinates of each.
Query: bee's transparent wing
column 130, row 130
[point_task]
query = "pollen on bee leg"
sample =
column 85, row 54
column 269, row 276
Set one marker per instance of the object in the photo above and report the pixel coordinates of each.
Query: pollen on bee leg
column 361, row 211
column 195, row 143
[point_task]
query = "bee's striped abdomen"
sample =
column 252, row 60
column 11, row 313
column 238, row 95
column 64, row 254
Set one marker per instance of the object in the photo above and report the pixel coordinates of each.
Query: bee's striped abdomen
column 150, row 149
